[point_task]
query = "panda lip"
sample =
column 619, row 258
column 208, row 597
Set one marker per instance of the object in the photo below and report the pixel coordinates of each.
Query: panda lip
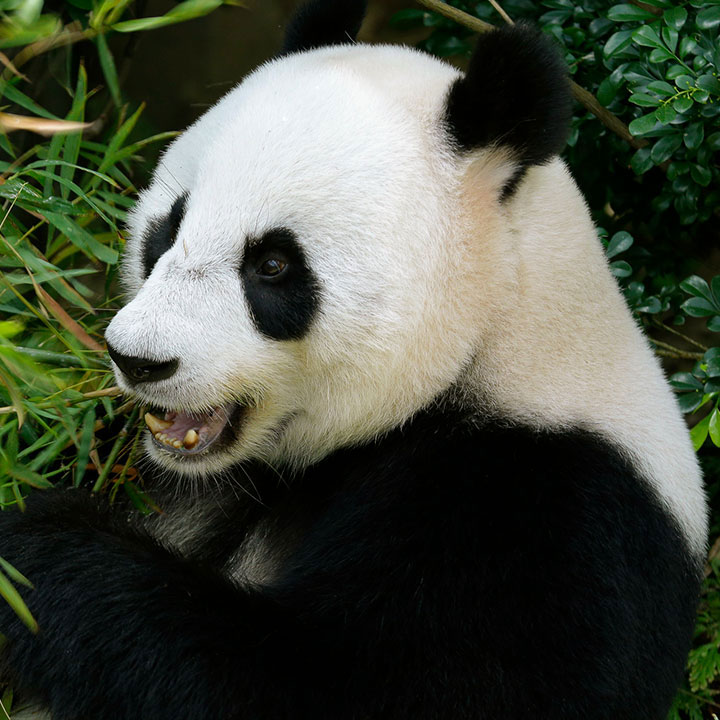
column 193, row 433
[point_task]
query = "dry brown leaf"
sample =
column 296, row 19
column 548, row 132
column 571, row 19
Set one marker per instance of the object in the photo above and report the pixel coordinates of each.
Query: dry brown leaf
column 66, row 321
column 41, row 126
column 8, row 63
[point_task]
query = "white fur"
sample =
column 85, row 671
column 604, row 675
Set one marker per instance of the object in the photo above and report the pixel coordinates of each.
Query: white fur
column 426, row 277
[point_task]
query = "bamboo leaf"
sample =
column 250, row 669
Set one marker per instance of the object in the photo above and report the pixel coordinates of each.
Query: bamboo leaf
column 66, row 321
column 82, row 239
column 16, row 399
column 71, row 150
column 107, row 63
column 12, row 596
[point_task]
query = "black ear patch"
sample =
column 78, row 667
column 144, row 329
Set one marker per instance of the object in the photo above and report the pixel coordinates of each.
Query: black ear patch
column 161, row 233
column 281, row 288
column 324, row 22
column 515, row 94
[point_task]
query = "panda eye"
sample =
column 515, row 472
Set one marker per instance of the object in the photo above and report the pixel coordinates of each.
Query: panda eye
column 271, row 268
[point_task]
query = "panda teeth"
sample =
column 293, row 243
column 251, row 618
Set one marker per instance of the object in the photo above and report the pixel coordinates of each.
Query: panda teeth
column 155, row 424
column 191, row 439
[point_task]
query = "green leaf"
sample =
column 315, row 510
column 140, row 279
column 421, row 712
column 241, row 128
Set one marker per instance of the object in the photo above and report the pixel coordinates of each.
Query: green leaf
column 107, row 63
column 663, row 149
column 118, row 139
column 698, row 307
column 10, row 92
column 82, row 239
column 149, row 23
column 15, row 575
column 701, row 175
column 687, row 45
column 714, row 427
column 660, row 55
column 71, row 149
column 629, row 13
column 661, row 88
column 675, row 71
column 700, row 432
column 606, row 92
column 708, row 18
column 183, row 11
column 12, row 596
column 644, row 100
column 647, row 37
column 675, row 17
column 617, row 43
column 87, row 434
column 685, row 82
column 713, row 366
column 682, row 104
column 709, row 83
column 643, row 125
column 696, row 286
column 685, row 381
column 670, row 38
column 690, row 402
column 650, row 305
column 620, row 269
column 694, row 135
column 665, row 114
column 714, row 324
column 715, row 288
column 619, row 243
column 641, row 161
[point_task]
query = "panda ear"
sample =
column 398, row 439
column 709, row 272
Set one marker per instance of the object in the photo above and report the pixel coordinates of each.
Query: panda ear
column 515, row 96
column 323, row 22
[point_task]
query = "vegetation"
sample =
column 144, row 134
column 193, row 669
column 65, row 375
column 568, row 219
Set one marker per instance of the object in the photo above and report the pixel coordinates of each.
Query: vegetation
column 65, row 195
column 644, row 148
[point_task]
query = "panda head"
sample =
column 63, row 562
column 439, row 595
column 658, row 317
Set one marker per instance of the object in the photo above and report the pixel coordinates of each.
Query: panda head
column 302, row 272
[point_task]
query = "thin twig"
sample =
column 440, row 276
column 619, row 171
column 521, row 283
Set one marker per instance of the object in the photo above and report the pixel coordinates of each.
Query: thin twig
column 502, row 12
column 460, row 17
column 117, row 446
column 699, row 697
column 667, row 350
column 672, row 330
column 583, row 96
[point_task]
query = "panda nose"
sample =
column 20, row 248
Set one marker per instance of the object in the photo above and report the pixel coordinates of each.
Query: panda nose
column 139, row 369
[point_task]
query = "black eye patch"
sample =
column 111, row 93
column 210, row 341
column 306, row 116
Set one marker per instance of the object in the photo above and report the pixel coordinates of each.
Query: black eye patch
column 161, row 233
column 281, row 289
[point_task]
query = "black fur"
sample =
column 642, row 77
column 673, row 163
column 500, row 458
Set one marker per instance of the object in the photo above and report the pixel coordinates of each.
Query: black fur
column 282, row 307
column 324, row 22
column 515, row 94
column 443, row 571
column 161, row 233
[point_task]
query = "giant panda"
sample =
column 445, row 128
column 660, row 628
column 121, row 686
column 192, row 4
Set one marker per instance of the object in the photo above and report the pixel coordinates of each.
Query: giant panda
column 414, row 456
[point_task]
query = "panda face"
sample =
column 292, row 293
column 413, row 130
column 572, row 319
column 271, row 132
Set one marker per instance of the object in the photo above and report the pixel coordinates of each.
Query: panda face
column 293, row 264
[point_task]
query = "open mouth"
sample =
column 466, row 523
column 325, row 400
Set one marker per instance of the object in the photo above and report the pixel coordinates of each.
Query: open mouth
column 182, row 433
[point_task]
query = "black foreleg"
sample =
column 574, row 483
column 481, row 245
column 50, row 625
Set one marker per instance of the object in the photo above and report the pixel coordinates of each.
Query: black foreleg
column 128, row 630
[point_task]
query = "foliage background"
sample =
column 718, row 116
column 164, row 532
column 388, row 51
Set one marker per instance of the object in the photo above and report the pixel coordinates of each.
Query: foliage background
column 652, row 186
